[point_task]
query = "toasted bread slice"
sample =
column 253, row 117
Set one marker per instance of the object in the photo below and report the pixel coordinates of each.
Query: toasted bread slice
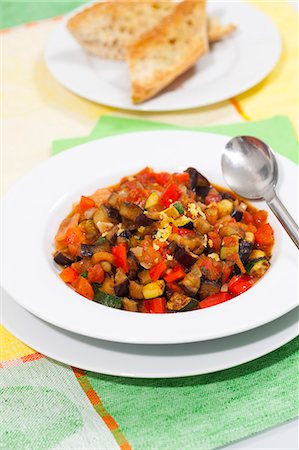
column 216, row 31
column 106, row 29
column 168, row 50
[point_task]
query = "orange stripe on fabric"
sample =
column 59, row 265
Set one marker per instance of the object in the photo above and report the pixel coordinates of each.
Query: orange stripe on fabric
column 32, row 357
column 239, row 108
column 30, row 24
column 100, row 409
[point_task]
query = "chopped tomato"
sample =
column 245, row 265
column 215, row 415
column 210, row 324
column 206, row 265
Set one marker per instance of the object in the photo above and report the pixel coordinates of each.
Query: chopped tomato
column 68, row 275
column 156, row 305
column 264, row 236
column 210, row 268
column 226, row 271
column 247, row 217
column 216, row 238
column 85, row 204
column 137, row 195
column 174, row 287
column 81, row 266
column 162, row 178
column 251, row 228
column 215, row 299
column 121, row 260
column 66, row 224
column 181, row 178
column 237, row 260
column 260, row 218
column 170, row 195
column 96, row 274
column 239, row 284
column 83, row 287
column 74, row 239
column 177, row 273
column 157, row 271
column 184, row 231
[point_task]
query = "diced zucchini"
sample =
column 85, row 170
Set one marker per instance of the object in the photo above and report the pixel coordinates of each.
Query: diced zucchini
column 183, row 221
column 249, row 237
column 181, row 302
column 257, row 267
column 179, row 207
column 171, row 212
column 84, row 274
column 100, row 241
column 229, row 246
column 225, row 207
column 106, row 299
column 153, row 290
column 255, row 254
column 152, row 200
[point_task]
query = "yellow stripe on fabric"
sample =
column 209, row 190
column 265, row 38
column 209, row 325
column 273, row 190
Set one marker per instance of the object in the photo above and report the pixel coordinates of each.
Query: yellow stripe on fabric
column 278, row 93
column 11, row 347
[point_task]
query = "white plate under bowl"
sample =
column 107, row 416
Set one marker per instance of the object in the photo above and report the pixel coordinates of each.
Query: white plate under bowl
column 34, row 207
column 233, row 65
column 146, row 361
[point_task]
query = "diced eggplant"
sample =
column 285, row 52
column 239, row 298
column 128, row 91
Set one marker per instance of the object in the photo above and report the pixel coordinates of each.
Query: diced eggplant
column 189, row 225
column 113, row 199
column 130, row 211
column 113, row 213
column 144, row 277
column 202, row 225
column 108, row 286
column 191, row 281
column 133, row 266
column 237, row 215
column 65, row 260
column 196, row 179
column 226, row 196
column 184, row 257
column 181, row 302
column 202, row 191
column 121, row 286
column 130, row 305
column 233, row 229
column 257, row 267
column 101, row 215
column 127, row 234
column 136, row 290
column 245, row 248
column 143, row 221
column 188, row 242
column 112, row 235
column 87, row 250
column 107, row 299
column 208, row 288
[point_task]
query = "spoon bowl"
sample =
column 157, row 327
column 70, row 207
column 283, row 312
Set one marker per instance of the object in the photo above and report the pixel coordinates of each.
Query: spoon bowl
column 250, row 169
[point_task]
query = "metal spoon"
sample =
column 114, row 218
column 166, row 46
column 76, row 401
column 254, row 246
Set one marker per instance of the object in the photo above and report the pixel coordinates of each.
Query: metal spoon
column 250, row 169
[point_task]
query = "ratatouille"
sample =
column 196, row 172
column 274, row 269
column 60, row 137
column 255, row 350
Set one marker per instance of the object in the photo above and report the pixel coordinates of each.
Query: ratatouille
column 161, row 243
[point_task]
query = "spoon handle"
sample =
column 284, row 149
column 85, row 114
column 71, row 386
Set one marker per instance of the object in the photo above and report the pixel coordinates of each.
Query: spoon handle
column 285, row 219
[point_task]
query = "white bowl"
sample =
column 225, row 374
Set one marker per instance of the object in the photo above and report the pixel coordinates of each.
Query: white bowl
column 34, row 207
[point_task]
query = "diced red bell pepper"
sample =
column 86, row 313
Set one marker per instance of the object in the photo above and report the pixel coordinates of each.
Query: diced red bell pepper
column 121, row 260
column 170, row 195
column 156, row 305
column 68, row 275
column 157, row 270
column 181, row 231
column 85, row 204
column 175, row 274
column 162, row 178
column 239, row 284
column 265, row 236
column 215, row 299
column 83, row 287
column 96, row 274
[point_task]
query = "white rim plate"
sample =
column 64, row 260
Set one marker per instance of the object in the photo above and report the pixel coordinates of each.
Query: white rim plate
column 146, row 361
column 34, row 207
column 232, row 67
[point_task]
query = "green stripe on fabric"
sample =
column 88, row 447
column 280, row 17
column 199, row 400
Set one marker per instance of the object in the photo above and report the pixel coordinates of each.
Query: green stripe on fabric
column 276, row 131
column 207, row 411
